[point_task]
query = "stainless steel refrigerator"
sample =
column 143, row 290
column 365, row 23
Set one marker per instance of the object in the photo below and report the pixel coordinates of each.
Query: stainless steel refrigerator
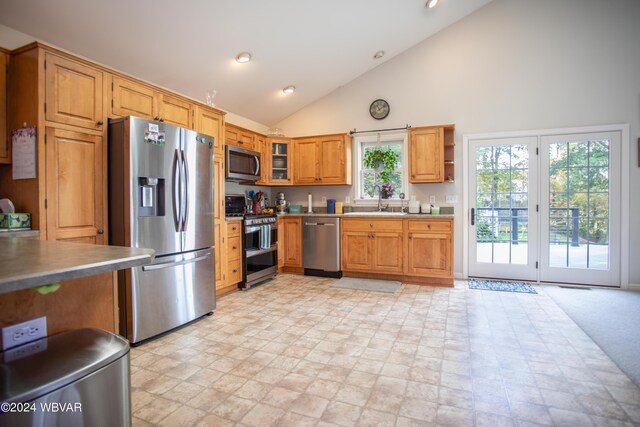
column 161, row 197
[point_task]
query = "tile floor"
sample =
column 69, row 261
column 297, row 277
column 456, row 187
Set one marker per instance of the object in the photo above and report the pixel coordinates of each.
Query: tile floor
column 295, row 352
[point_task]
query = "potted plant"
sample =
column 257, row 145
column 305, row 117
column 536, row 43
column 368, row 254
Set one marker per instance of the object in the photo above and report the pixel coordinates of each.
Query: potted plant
column 383, row 161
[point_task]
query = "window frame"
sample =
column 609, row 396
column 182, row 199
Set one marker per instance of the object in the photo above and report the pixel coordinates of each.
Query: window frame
column 368, row 140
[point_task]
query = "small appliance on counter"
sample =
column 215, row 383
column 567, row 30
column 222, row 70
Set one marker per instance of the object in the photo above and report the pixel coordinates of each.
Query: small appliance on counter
column 295, row 209
column 281, row 203
column 414, row 205
column 425, row 208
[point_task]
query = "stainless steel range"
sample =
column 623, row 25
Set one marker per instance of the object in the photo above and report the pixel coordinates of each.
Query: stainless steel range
column 260, row 242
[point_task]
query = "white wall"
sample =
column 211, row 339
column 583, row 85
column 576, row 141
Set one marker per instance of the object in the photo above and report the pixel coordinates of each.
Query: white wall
column 512, row 65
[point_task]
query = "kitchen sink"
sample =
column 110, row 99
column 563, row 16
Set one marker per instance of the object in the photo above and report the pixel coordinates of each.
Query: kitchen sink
column 377, row 213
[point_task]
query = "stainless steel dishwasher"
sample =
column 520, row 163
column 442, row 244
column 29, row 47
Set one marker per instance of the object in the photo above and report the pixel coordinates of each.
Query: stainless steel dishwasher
column 321, row 246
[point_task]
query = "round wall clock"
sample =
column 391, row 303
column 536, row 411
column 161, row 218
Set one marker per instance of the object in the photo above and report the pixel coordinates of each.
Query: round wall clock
column 379, row 109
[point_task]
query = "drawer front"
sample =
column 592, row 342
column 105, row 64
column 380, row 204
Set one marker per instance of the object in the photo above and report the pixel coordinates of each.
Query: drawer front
column 371, row 224
column 234, row 272
column 234, row 248
column 421, row 225
column 234, row 228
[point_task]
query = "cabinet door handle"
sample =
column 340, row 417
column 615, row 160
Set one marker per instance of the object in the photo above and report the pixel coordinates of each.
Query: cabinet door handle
column 162, row 119
column 100, row 123
column 413, row 175
column 429, row 226
column 234, row 247
column 100, row 231
column 371, row 225
column 235, row 271
column 156, row 118
column 410, row 237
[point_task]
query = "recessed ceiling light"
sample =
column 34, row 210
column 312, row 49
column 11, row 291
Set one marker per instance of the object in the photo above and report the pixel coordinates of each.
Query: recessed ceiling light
column 379, row 54
column 431, row 3
column 243, row 57
column 289, row 89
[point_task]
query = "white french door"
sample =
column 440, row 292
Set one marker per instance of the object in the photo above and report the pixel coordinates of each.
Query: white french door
column 502, row 189
column 580, row 208
column 546, row 208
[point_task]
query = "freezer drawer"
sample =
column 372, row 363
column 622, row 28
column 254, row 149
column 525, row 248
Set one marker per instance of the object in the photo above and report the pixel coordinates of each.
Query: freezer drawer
column 172, row 291
column 321, row 244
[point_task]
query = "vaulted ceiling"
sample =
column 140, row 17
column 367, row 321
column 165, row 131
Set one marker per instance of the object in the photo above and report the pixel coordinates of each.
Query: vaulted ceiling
column 189, row 46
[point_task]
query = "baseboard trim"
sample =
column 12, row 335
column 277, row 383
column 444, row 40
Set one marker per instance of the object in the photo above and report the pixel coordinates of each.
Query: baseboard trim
column 459, row 276
column 634, row 287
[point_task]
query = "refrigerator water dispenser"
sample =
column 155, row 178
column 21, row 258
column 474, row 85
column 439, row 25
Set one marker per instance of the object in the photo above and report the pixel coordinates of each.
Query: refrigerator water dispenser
column 151, row 196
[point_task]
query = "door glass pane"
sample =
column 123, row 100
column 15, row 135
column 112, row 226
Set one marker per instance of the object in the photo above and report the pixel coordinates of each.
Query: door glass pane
column 502, row 182
column 579, row 204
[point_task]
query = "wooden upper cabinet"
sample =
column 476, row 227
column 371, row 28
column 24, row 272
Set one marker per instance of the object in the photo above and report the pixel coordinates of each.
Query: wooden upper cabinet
column 131, row 99
column 75, row 186
column 333, row 160
column 209, row 122
column 426, row 154
column 239, row 137
column 278, row 159
column 4, row 141
column 306, row 162
column 322, row 160
column 174, row 111
column 73, row 93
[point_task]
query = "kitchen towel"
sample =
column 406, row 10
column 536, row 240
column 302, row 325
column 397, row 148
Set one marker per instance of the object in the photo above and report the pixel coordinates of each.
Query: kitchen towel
column 265, row 236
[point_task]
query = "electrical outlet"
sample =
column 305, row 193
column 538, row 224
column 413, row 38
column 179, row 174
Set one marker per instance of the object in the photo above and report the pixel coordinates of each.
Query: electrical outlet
column 432, row 199
column 324, row 199
column 24, row 332
column 452, row 199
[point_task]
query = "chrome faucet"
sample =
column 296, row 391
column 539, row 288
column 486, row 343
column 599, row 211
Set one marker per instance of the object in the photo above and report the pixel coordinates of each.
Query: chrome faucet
column 380, row 206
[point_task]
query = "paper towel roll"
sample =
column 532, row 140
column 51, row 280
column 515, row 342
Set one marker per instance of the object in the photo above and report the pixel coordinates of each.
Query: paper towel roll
column 310, row 197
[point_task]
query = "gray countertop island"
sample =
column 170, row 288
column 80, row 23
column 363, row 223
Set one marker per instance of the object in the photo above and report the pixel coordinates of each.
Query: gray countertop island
column 26, row 263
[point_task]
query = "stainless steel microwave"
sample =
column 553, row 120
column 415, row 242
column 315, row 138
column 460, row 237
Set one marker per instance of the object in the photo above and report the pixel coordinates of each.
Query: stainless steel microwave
column 242, row 164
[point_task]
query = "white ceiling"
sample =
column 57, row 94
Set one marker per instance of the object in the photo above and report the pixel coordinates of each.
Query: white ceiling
column 189, row 46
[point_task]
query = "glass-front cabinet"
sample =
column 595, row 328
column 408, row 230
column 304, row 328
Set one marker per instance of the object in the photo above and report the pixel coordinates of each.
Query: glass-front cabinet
column 280, row 159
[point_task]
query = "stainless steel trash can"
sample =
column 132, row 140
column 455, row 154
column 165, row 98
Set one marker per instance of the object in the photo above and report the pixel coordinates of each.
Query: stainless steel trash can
column 76, row 378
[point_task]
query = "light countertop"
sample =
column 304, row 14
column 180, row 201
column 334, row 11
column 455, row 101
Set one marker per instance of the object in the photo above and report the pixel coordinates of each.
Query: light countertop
column 374, row 215
column 27, row 263
column 20, row 233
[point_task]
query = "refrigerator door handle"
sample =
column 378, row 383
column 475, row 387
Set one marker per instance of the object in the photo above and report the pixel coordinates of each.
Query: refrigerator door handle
column 185, row 184
column 174, row 263
column 176, row 195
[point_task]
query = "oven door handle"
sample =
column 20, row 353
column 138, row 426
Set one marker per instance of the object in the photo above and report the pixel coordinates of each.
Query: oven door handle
column 256, row 252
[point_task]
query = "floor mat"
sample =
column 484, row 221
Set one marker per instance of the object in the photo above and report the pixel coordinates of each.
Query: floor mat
column 387, row 286
column 502, row 286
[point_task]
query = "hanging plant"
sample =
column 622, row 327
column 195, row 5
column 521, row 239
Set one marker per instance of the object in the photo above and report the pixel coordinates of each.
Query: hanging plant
column 382, row 161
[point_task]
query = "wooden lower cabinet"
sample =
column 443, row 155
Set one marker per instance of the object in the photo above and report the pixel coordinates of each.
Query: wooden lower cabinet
column 371, row 251
column 292, row 257
column 356, row 251
column 414, row 251
column 387, row 252
column 428, row 254
column 232, row 258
